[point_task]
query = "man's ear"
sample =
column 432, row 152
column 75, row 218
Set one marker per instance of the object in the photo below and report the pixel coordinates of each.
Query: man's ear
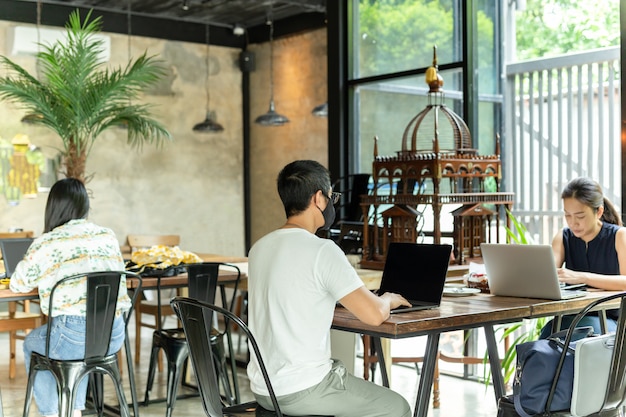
column 317, row 198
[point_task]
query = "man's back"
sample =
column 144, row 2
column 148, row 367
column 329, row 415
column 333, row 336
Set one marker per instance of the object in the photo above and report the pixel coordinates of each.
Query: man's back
column 295, row 280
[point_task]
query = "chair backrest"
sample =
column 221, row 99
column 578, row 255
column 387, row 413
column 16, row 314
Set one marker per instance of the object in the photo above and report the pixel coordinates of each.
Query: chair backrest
column 147, row 241
column 616, row 387
column 350, row 206
column 196, row 318
column 101, row 300
column 202, row 280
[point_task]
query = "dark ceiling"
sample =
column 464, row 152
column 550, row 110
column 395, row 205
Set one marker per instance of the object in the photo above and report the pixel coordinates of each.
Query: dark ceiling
column 183, row 20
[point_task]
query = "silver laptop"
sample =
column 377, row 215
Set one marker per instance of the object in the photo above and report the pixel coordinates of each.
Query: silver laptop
column 524, row 271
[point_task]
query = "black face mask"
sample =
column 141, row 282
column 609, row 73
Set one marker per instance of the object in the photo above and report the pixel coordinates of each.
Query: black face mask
column 329, row 215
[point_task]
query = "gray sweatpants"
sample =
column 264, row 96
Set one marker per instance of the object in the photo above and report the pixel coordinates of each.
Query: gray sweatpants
column 340, row 394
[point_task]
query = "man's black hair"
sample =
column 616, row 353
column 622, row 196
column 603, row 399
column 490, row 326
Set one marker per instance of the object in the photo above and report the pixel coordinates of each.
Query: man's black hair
column 298, row 181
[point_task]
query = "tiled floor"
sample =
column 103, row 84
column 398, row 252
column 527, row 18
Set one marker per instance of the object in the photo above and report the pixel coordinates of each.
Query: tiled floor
column 458, row 397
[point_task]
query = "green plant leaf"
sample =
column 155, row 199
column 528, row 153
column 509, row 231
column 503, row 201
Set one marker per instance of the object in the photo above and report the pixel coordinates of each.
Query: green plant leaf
column 78, row 97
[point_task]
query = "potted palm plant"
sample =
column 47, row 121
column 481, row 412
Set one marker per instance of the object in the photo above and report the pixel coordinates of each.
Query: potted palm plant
column 79, row 99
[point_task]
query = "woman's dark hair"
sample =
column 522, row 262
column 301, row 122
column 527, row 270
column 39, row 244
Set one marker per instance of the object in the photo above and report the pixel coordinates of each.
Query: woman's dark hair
column 298, row 181
column 68, row 200
column 589, row 193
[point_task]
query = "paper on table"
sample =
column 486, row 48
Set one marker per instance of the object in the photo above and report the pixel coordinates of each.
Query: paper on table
column 476, row 268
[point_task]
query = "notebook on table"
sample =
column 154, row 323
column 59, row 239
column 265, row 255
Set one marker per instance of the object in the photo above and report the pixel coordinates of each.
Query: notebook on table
column 13, row 251
column 417, row 272
column 524, row 271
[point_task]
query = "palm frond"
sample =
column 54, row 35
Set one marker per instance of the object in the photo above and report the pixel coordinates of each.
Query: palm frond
column 79, row 98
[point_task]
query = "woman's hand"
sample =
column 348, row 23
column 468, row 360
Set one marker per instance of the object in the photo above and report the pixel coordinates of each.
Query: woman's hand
column 571, row 277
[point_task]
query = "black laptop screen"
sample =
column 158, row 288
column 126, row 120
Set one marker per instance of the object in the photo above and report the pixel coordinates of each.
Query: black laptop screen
column 416, row 271
column 13, row 251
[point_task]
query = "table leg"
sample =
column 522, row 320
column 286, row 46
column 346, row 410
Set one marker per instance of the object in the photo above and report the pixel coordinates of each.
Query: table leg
column 428, row 374
column 378, row 347
column 494, row 362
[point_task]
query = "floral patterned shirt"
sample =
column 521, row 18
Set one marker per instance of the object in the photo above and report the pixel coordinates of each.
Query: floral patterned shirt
column 73, row 248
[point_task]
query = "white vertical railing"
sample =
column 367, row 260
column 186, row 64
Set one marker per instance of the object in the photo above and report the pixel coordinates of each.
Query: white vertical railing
column 561, row 121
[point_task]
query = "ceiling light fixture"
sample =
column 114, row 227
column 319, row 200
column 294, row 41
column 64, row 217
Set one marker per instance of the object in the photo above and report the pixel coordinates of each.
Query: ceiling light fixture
column 321, row 110
column 34, row 118
column 185, row 5
column 271, row 118
column 123, row 124
column 209, row 125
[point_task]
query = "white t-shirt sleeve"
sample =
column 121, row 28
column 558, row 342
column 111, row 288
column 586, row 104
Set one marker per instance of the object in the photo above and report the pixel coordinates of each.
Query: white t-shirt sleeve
column 337, row 276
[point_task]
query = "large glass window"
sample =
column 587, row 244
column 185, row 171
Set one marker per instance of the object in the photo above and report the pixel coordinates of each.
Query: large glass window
column 391, row 45
column 393, row 36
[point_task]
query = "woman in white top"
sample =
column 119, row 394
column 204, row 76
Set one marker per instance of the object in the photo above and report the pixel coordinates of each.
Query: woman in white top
column 70, row 245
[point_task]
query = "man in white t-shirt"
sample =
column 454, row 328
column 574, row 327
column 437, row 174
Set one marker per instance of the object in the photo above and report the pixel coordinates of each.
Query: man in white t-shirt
column 295, row 280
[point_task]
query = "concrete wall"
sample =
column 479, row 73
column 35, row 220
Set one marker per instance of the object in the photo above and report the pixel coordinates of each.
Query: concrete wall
column 300, row 75
column 193, row 186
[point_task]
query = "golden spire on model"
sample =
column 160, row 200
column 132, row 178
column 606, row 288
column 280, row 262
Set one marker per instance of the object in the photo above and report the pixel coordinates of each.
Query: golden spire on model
column 433, row 79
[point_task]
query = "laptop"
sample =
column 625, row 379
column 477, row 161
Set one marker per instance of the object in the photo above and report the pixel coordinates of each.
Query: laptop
column 417, row 272
column 13, row 251
column 524, row 271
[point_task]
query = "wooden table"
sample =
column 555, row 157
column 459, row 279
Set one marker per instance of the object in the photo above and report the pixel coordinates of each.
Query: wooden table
column 459, row 313
column 180, row 281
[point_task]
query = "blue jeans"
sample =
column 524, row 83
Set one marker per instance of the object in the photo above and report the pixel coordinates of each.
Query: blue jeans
column 589, row 320
column 67, row 341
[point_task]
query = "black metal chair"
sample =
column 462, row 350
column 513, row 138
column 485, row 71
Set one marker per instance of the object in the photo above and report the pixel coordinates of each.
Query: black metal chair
column 615, row 395
column 198, row 318
column 102, row 295
column 202, row 284
column 347, row 230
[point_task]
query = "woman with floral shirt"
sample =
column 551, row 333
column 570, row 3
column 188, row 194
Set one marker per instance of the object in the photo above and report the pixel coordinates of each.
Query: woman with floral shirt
column 70, row 245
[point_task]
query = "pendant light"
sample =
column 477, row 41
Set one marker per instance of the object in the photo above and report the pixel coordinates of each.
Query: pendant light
column 35, row 118
column 209, row 125
column 123, row 124
column 271, row 118
column 321, row 110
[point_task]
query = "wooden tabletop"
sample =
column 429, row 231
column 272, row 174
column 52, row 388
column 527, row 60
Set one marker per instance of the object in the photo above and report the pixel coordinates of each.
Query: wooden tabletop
column 206, row 257
column 456, row 313
column 8, row 295
column 225, row 277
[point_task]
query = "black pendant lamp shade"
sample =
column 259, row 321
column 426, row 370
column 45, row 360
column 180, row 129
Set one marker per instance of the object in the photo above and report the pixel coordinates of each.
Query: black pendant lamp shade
column 209, row 124
column 271, row 118
column 321, row 110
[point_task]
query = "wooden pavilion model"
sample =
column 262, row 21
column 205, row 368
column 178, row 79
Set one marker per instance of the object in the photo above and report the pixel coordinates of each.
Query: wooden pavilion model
column 471, row 228
column 435, row 166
